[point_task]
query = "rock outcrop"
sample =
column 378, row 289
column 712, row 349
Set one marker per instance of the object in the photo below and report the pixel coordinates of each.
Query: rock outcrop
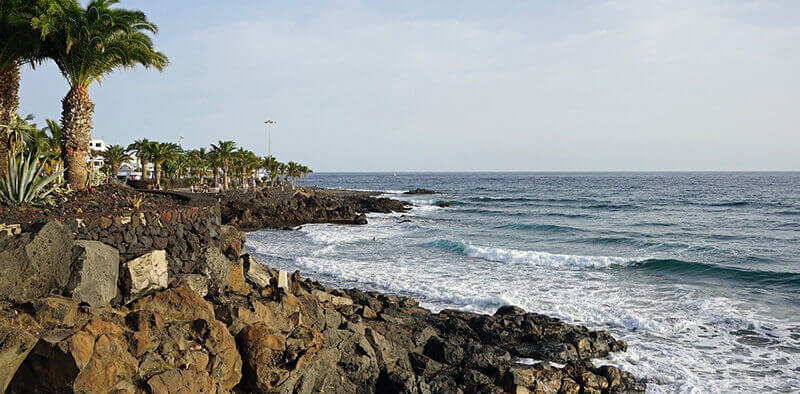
column 36, row 262
column 94, row 272
column 15, row 344
column 420, row 190
column 289, row 208
column 144, row 274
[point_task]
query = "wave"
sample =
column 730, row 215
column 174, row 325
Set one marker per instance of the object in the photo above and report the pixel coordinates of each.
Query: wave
column 501, row 199
column 694, row 269
column 528, row 257
column 729, row 204
column 448, row 203
column 665, row 266
column 611, row 206
column 787, row 213
column 566, row 215
column 492, row 212
column 552, row 228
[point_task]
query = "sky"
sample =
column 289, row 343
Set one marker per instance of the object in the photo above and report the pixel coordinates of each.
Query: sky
column 458, row 85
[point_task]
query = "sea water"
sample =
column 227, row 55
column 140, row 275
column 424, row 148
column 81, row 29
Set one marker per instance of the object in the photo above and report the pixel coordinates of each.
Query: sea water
column 698, row 272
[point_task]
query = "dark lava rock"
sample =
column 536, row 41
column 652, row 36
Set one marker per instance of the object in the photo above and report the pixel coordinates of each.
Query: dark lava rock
column 36, row 262
column 420, row 191
column 277, row 208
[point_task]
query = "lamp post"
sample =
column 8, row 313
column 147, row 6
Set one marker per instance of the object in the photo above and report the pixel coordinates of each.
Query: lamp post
column 269, row 123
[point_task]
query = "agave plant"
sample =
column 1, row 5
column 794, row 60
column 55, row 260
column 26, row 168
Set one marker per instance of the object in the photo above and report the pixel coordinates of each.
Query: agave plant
column 23, row 182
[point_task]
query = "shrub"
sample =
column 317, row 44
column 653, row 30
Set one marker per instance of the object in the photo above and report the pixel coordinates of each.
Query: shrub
column 24, row 182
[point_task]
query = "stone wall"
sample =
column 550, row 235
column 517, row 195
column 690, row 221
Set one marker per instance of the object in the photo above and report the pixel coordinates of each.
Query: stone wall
column 184, row 233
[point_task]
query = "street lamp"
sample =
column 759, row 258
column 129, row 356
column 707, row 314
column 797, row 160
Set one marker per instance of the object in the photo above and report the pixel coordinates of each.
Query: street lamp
column 269, row 135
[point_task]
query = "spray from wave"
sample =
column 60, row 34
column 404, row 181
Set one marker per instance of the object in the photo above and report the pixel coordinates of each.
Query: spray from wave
column 530, row 257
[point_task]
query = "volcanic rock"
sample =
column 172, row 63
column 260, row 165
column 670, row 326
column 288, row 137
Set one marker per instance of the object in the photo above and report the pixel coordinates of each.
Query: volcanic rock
column 32, row 263
column 144, row 275
column 95, row 271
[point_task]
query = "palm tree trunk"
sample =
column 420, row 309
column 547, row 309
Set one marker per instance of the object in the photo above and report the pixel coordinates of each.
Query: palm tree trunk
column 157, row 171
column 9, row 103
column 144, row 169
column 76, row 118
column 224, row 176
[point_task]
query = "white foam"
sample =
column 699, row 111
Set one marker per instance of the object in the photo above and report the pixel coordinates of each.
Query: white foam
column 543, row 258
column 680, row 336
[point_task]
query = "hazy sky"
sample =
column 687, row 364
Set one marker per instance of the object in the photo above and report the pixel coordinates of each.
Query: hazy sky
column 465, row 85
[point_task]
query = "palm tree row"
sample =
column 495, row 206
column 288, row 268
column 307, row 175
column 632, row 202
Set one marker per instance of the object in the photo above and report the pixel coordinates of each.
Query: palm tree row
column 86, row 44
column 223, row 160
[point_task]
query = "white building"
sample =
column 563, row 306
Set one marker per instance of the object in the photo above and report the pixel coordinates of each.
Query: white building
column 129, row 170
column 97, row 146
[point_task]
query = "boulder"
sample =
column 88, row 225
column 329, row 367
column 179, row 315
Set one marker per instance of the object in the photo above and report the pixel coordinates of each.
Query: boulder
column 198, row 283
column 283, row 280
column 144, row 275
column 231, row 241
column 255, row 272
column 94, row 359
column 215, row 266
column 420, row 190
column 56, row 311
column 202, row 345
column 94, row 272
column 15, row 344
column 178, row 304
column 541, row 337
column 186, row 381
column 270, row 358
column 444, row 351
column 236, row 281
column 334, row 300
column 281, row 314
column 32, row 264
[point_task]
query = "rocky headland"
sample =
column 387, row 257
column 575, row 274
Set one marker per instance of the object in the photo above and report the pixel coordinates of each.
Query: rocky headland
column 80, row 315
column 284, row 207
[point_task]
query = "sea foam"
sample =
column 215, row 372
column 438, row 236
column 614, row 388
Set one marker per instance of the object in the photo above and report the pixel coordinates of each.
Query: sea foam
column 532, row 257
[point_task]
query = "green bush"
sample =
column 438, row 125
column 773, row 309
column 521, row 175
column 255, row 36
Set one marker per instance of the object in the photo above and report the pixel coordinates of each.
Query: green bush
column 24, row 182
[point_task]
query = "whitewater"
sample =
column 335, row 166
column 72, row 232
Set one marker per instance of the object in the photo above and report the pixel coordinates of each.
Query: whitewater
column 697, row 272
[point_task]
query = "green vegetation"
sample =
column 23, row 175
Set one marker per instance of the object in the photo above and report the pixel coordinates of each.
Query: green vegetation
column 87, row 43
column 24, row 182
column 114, row 156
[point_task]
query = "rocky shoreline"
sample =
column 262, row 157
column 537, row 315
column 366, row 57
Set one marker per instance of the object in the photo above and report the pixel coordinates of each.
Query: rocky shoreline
column 93, row 320
column 285, row 208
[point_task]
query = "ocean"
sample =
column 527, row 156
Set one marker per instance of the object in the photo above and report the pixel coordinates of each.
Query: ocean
column 698, row 272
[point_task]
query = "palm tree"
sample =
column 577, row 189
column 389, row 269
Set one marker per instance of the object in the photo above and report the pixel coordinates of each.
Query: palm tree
column 20, row 43
column 270, row 165
column 293, row 171
column 283, row 170
column 114, row 156
column 223, row 152
column 140, row 148
column 214, row 163
column 16, row 132
column 86, row 45
column 304, row 170
column 159, row 152
column 246, row 161
column 198, row 159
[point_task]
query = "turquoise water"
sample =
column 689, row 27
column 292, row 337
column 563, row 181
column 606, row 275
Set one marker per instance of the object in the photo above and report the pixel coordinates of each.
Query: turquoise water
column 699, row 272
